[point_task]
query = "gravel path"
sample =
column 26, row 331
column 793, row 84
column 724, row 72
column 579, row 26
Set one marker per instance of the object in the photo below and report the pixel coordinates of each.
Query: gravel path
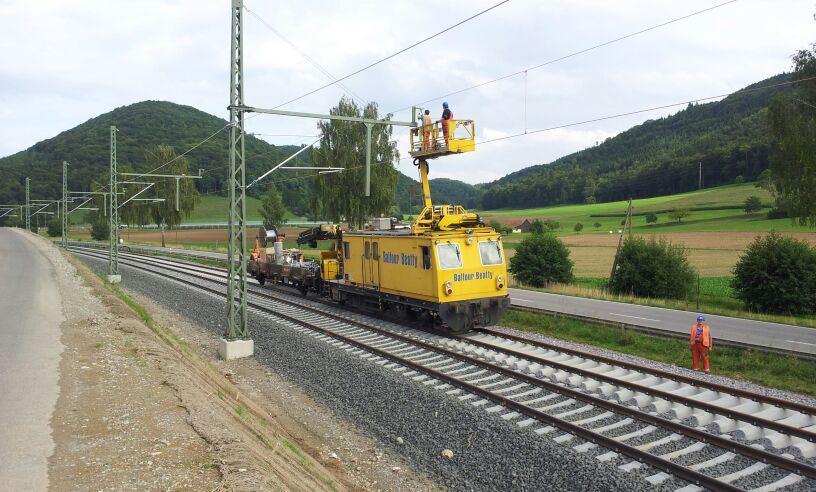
column 488, row 452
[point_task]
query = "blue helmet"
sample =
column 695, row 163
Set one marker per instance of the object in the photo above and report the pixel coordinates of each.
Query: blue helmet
column 444, row 104
column 701, row 318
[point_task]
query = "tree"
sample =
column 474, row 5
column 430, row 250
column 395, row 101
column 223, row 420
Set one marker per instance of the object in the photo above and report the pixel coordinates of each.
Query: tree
column 764, row 181
column 678, row 214
column 777, row 274
column 541, row 259
column 552, row 225
column 654, row 268
column 164, row 214
column 651, row 218
column 100, row 227
column 55, row 227
column 739, row 179
column 793, row 127
column 590, row 200
column 340, row 196
column 272, row 209
column 537, row 227
column 597, row 225
column 578, row 227
column 752, row 204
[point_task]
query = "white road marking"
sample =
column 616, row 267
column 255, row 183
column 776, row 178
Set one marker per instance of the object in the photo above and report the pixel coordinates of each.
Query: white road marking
column 803, row 343
column 636, row 317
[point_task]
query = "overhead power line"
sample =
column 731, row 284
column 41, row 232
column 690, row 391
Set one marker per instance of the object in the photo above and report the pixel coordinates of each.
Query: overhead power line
column 403, row 50
column 646, row 110
column 570, row 55
column 306, row 57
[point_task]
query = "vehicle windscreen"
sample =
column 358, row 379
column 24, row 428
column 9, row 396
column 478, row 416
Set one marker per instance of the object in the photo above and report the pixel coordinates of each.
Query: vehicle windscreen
column 449, row 256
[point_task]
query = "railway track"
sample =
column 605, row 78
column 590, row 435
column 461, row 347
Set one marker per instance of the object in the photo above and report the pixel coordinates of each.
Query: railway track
column 705, row 434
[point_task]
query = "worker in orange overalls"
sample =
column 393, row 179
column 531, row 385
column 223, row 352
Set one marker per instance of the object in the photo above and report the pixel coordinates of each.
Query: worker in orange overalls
column 701, row 344
column 426, row 130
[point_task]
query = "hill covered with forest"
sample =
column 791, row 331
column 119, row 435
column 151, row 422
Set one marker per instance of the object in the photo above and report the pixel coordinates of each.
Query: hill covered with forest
column 729, row 138
column 149, row 123
column 408, row 198
column 142, row 126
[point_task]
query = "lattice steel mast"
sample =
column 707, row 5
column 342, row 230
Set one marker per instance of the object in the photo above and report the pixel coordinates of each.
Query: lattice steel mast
column 113, row 216
column 236, row 282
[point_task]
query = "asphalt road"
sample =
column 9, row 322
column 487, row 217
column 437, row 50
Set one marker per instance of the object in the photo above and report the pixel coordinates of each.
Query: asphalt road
column 30, row 348
column 773, row 335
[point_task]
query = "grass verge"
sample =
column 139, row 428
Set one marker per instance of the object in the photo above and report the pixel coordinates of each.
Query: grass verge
column 777, row 371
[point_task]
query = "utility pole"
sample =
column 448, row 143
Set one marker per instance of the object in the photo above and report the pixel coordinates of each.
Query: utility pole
column 236, row 342
column 627, row 223
column 28, row 205
column 113, row 217
column 64, row 204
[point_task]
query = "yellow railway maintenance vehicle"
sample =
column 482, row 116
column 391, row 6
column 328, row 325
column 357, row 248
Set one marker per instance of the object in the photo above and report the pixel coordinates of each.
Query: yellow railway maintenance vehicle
column 447, row 265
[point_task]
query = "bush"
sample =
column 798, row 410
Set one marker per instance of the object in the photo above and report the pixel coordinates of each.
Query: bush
column 540, row 259
column 777, row 274
column 739, row 179
column 100, row 229
column 752, row 204
column 651, row 218
column 552, row 225
column 537, row 227
column 578, row 227
column 590, row 200
column 597, row 225
column 500, row 228
column 778, row 212
column 55, row 227
column 653, row 269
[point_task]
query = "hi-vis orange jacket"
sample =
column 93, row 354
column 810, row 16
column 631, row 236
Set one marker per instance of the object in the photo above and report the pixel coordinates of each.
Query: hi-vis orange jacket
column 703, row 337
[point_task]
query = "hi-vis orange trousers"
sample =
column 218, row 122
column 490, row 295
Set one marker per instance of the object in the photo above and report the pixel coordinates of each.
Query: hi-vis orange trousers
column 699, row 354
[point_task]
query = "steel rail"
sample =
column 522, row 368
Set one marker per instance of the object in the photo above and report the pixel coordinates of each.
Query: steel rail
column 666, row 395
column 772, row 400
column 659, row 463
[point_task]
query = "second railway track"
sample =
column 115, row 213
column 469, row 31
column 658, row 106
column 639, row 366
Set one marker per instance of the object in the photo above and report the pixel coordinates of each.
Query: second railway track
column 701, row 434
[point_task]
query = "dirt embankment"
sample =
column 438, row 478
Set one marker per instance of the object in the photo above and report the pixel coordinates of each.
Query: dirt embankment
column 139, row 410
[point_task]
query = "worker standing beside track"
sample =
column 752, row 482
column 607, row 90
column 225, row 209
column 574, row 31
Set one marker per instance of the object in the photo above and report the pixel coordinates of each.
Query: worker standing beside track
column 701, row 343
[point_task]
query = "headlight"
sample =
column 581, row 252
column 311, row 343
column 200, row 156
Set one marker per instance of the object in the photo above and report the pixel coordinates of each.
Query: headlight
column 500, row 282
column 448, row 288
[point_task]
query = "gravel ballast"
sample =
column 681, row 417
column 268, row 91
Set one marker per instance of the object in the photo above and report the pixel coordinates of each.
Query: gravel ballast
column 488, row 453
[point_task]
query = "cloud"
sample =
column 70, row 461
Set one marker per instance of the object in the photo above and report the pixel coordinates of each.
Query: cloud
column 65, row 62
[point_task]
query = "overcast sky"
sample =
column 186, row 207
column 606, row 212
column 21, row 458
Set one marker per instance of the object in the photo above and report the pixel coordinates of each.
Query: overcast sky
column 65, row 62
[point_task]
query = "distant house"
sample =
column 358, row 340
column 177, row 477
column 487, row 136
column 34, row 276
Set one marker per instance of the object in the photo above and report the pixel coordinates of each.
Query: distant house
column 523, row 226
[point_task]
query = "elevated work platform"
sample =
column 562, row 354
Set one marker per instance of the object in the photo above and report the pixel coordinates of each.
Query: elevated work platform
column 431, row 141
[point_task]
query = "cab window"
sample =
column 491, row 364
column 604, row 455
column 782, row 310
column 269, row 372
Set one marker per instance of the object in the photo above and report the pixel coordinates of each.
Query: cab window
column 426, row 257
column 346, row 250
column 449, row 256
column 491, row 252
